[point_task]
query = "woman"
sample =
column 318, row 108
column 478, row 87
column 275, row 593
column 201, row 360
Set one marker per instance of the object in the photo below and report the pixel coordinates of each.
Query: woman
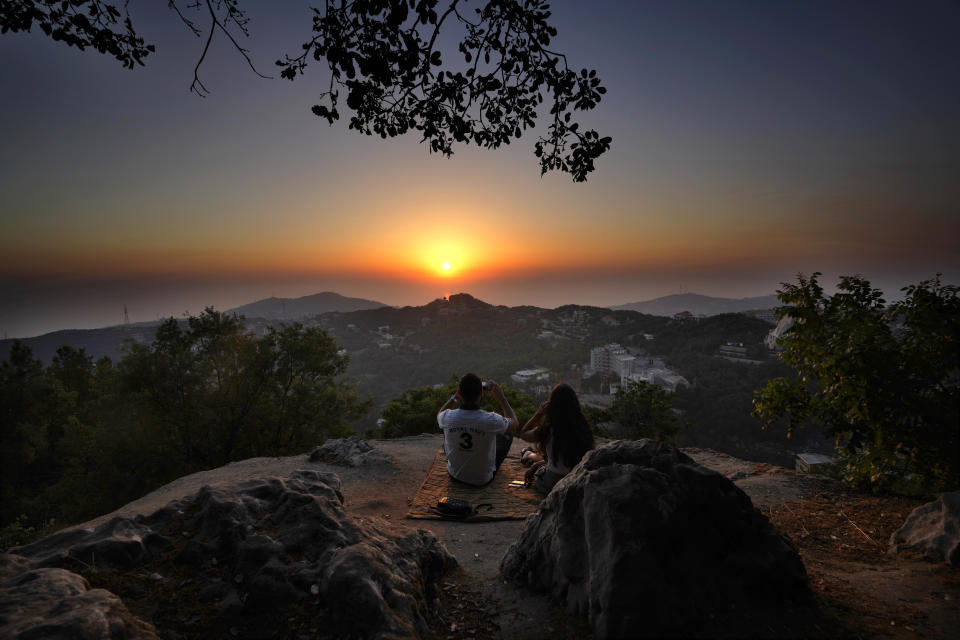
column 561, row 435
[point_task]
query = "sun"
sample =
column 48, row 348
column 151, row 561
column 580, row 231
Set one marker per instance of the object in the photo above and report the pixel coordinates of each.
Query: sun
column 443, row 258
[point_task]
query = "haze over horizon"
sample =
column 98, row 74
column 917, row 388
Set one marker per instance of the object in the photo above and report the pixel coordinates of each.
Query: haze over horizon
column 751, row 141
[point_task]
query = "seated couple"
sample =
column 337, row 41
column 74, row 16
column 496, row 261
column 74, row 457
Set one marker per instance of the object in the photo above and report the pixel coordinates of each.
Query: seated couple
column 476, row 441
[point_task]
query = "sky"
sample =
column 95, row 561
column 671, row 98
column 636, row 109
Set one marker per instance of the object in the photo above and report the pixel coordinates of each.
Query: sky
column 752, row 141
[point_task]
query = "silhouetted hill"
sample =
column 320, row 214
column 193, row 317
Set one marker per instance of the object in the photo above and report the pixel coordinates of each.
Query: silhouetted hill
column 699, row 305
column 97, row 342
column 294, row 308
column 107, row 341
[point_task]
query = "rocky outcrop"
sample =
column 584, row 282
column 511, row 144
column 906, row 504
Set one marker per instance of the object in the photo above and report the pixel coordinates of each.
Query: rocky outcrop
column 246, row 557
column 932, row 529
column 56, row 603
column 643, row 541
column 349, row 452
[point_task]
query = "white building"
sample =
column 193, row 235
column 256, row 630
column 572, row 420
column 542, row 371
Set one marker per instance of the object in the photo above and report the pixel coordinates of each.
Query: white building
column 525, row 376
column 622, row 364
column 786, row 323
column 601, row 358
column 641, row 376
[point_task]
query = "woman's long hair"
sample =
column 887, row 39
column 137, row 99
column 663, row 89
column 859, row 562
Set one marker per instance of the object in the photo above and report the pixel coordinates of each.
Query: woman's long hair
column 566, row 425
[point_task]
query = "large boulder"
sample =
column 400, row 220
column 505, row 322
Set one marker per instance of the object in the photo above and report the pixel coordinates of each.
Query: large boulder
column 643, row 541
column 932, row 529
column 349, row 452
column 59, row 604
column 262, row 552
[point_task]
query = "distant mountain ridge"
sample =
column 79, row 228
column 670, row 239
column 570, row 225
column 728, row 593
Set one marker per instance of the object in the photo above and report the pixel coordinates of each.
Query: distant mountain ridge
column 293, row 308
column 108, row 341
column 699, row 305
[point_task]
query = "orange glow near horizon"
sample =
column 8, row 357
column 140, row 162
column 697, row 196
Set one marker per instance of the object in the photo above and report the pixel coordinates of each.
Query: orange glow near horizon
column 420, row 245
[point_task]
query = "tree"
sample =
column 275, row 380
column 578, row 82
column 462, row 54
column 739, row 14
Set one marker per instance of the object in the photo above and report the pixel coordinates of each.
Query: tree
column 883, row 380
column 645, row 411
column 306, row 397
column 23, row 393
column 384, row 56
column 216, row 393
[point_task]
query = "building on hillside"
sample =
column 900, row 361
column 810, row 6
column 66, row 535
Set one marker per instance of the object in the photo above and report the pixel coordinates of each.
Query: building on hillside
column 785, row 324
column 669, row 380
column 601, row 358
column 622, row 364
column 526, row 376
column 640, row 376
column 733, row 350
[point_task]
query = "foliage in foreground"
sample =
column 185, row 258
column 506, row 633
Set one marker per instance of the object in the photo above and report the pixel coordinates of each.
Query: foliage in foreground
column 79, row 438
column 883, row 380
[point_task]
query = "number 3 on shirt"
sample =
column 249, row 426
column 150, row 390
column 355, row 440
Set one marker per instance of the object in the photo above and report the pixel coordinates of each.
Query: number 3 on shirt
column 466, row 441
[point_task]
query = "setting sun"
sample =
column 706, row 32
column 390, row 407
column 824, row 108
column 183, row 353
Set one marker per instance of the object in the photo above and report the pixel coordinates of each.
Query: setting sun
column 446, row 266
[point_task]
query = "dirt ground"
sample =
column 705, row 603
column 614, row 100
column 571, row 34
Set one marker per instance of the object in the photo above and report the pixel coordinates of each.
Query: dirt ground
column 841, row 535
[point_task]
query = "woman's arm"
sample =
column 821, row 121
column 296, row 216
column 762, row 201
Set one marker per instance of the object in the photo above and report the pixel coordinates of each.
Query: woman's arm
column 529, row 431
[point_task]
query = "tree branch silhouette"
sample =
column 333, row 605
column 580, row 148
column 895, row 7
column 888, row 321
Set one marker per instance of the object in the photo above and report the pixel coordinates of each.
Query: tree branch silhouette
column 381, row 54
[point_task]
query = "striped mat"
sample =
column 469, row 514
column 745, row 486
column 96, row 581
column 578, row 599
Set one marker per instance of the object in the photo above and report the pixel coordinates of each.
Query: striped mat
column 508, row 503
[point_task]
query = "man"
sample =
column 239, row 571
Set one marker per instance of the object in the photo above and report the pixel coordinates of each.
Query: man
column 475, row 441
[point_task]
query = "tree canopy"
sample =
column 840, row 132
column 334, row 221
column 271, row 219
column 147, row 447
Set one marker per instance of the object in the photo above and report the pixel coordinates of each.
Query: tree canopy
column 882, row 379
column 384, row 57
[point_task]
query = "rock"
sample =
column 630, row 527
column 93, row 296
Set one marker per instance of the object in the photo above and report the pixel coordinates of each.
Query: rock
column 56, row 603
column 257, row 549
column 349, row 452
column 641, row 540
column 933, row 529
column 739, row 475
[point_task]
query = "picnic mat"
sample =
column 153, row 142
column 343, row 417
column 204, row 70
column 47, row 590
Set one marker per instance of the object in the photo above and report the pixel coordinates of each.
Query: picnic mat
column 508, row 503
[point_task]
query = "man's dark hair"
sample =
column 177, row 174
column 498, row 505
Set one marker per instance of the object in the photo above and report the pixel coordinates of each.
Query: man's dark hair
column 471, row 388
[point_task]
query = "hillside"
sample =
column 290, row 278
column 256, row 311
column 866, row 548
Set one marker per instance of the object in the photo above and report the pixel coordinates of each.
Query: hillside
column 699, row 305
column 97, row 342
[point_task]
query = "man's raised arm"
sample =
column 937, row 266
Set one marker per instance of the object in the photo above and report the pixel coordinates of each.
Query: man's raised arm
column 449, row 403
column 508, row 413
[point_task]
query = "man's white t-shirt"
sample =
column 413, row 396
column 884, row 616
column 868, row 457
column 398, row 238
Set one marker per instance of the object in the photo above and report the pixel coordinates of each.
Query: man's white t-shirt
column 470, row 443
